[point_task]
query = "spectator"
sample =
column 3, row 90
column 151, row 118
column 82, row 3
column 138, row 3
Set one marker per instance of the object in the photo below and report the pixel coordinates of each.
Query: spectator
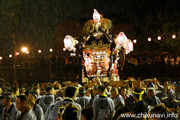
column 162, row 110
column 177, row 60
column 10, row 112
column 23, row 106
column 69, row 112
column 123, row 92
column 47, row 100
column 177, row 92
column 37, row 90
column 108, row 90
column 163, row 94
column 87, row 113
column 32, row 97
column 171, row 60
column 103, row 106
column 70, row 94
column 131, row 86
column 95, row 92
column 141, row 107
column 130, row 103
column 116, row 97
column 152, row 99
column 82, row 99
column 15, row 93
column 1, row 106
column 166, row 59
column 60, row 94
column 22, row 91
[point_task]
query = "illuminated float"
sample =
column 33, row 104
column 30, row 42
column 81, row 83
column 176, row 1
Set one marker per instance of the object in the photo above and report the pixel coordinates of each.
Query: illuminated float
column 102, row 55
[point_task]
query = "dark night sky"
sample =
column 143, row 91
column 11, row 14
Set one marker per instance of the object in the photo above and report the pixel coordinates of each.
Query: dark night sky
column 37, row 19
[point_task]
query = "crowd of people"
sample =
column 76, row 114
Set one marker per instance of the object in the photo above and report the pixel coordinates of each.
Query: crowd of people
column 55, row 101
column 161, row 66
column 166, row 59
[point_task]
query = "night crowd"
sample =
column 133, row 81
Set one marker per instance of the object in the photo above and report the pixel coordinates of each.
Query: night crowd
column 166, row 59
column 66, row 101
column 161, row 66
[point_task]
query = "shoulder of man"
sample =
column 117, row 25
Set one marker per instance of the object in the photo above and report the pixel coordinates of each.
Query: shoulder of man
column 30, row 115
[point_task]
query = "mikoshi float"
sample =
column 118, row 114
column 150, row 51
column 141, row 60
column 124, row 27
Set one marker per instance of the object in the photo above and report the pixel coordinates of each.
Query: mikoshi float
column 102, row 55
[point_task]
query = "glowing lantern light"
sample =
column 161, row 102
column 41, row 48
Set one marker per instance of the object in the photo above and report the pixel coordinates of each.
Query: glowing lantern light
column 69, row 43
column 10, row 55
column 0, row 57
column 121, row 39
column 129, row 46
column 96, row 16
column 39, row 51
column 24, row 49
column 173, row 36
column 17, row 53
column 134, row 41
column 149, row 39
column 159, row 37
column 27, row 52
column 72, row 54
column 64, row 49
column 50, row 50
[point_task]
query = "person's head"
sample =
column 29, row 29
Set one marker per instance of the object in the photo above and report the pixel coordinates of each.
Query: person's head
column 87, row 113
column 123, row 91
column 28, row 89
column 101, row 89
column 160, row 109
column 109, row 88
column 68, row 112
column 114, row 92
column 166, row 84
column 21, row 102
column 82, row 91
column 70, row 91
column 15, row 90
column 57, row 85
column 22, row 91
column 6, row 99
column 36, row 85
column 37, row 90
column 60, row 93
column 148, row 82
column 131, row 86
column 50, row 90
column 177, row 87
column 151, row 92
column 7, row 89
column 32, row 96
column 7, row 84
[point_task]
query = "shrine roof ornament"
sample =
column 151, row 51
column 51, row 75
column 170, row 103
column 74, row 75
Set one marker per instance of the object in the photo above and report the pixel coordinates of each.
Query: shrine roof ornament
column 96, row 16
column 99, row 40
column 97, row 22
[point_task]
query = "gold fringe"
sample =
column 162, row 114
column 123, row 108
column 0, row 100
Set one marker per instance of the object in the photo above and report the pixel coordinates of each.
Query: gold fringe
column 106, row 24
